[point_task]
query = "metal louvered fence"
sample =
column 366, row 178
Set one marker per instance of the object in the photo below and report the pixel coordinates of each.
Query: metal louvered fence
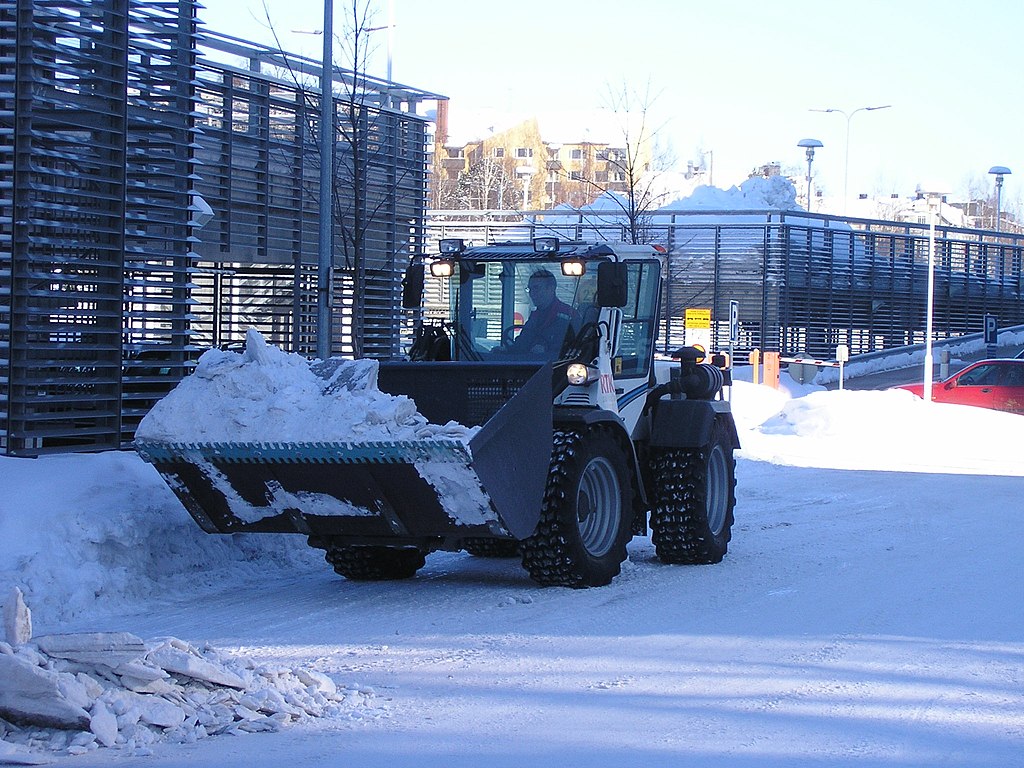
column 804, row 282
column 123, row 127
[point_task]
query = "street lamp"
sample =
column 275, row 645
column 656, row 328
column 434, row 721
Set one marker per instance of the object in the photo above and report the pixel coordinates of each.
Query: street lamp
column 934, row 201
column 390, row 27
column 324, row 251
column 811, row 145
column 999, row 171
column 846, row 162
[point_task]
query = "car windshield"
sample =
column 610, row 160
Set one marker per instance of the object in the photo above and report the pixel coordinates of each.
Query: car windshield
column 522, row 310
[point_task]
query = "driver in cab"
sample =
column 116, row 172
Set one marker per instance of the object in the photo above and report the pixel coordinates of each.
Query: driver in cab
column 545, row 330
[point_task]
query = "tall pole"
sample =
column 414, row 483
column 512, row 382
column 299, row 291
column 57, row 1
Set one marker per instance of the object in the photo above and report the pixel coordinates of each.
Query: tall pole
column 929, row 362
column 391, row 38
column 325, row 250
column 999, row 200
column 810, row 159
column 810, row 145
column 846, row 161
column 999, row 171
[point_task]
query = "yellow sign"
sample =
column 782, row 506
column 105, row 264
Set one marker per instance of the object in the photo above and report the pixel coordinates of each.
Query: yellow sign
column 697, row 318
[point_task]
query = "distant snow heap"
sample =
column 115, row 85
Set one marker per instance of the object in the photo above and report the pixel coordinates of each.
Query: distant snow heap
column 266, row 394
column 755, row 194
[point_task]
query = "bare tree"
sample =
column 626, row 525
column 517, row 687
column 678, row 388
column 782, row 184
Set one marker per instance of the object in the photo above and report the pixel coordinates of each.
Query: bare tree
column 636, row 165
column 365, row 189
column 487, row 183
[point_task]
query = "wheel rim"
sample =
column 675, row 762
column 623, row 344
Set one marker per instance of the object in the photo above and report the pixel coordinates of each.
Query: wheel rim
column 718, row 490
column 598, row 507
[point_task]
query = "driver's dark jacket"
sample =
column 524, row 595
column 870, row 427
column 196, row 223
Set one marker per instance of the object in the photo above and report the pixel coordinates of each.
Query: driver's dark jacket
column 546, row 328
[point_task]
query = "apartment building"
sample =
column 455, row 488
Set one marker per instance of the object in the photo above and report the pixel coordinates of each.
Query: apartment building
column 525, row 166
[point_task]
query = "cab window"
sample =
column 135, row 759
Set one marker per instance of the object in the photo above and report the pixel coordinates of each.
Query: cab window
column 639, row 320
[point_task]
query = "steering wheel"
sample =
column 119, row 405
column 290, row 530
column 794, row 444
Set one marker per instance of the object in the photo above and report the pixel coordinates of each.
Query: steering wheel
column 508, row 336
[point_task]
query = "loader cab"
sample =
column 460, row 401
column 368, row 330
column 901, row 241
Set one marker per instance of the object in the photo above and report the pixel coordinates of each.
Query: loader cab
column 544, row 301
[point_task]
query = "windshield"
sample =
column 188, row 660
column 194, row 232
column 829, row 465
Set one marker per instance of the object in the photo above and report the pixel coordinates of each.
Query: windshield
column 521, row 310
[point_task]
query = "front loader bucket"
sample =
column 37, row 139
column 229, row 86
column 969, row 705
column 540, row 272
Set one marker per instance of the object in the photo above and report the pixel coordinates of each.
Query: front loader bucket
column 374, row 492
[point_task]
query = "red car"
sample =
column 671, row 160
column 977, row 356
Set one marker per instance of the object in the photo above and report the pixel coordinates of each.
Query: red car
column 996, row 384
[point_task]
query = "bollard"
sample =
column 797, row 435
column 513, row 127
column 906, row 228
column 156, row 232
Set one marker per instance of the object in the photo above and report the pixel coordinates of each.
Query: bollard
column 771, row 369
column 755, row 360
column 943, row 365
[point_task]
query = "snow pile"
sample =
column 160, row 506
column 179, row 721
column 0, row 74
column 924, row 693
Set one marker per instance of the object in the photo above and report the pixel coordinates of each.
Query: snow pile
column 755, row 194
column 124, row 538
column 73, row 693
column 265, row 393
column 891, row 430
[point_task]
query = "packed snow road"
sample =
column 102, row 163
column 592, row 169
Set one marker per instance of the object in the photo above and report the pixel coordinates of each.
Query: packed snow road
column 868, row 614
column 861, row 618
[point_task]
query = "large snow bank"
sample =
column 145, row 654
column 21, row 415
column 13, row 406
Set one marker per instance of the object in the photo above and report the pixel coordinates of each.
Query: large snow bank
column 125, row 538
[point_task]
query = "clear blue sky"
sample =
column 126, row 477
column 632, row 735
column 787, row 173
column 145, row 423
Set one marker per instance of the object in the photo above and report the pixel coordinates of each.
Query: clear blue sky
column 737, row 78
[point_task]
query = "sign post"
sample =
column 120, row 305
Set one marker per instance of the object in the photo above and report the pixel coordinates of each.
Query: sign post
column 698, row 329
column 991, row 325
column 734, row 334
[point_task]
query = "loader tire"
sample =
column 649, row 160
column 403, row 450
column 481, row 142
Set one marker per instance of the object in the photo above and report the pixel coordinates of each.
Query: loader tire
column 482, row 547
column 375, row 563
column 694, row 497
column 586, row 518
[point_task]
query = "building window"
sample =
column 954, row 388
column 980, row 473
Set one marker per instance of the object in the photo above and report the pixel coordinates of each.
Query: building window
column 575, row 176
column 524, row 152
column 499, row 151
column 577, row 154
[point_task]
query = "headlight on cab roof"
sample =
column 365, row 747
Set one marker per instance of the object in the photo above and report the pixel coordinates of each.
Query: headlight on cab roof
column 574, row 268
column 442, row 268
column 578, row 374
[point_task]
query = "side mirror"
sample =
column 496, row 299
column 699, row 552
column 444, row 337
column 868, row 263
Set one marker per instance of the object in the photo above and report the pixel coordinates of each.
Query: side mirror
column 412, row 287
column 612, row 284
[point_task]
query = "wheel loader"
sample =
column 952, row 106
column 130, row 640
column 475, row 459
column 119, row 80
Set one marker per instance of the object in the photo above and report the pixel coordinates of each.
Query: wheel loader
column 583, row 437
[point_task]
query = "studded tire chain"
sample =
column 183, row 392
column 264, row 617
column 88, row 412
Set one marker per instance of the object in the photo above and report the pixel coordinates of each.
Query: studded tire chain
column 546, row 553
column 371, row 563
column 483, row 547
column 679, row 525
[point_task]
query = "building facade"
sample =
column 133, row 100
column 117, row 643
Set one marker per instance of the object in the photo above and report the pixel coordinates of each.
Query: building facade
column 521, row 168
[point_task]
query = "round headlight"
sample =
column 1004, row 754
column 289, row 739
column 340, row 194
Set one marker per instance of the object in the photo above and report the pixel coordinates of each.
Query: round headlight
column 577, row 374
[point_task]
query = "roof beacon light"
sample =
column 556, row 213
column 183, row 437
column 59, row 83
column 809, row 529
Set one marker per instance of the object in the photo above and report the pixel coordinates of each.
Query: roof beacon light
column 545, row 244
column 574, row 268
column 452, row 245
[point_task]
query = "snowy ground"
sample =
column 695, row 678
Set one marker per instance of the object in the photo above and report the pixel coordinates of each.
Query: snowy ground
column 868, row 613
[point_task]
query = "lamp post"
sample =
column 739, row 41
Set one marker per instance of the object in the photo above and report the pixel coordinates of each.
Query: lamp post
column 325, row 249
column 846, row 162
column 934, row 200
column 810, row 145
column 1000, row 171
column 390, row 27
